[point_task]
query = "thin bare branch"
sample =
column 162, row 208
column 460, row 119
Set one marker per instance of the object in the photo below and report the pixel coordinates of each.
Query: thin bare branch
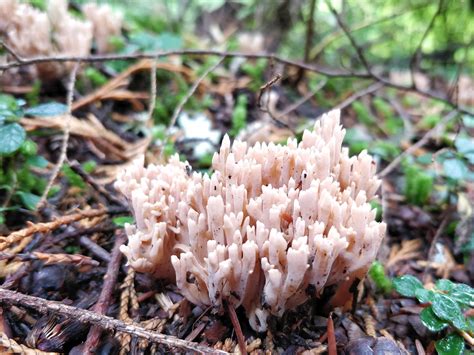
column 371, row 74
column 237, row 328
column 301, row 101
column 326, row 41
column 11, row 51
column 191, row 91
column 105, row 322
column 357, row 48
column 270, row 56
column 418, row 144
column 67, row 129
column 415, row 57
column 265, row 87
column 185, row 99
column 190, row 52
column 453, row 90
column 308, row 39
column 77, row 168
column 105, row 298
column 358, row 94
column 152, row 104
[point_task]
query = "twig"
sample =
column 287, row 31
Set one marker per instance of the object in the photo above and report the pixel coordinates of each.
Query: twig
column 308, row 39
column 417, row 52
column 271, row 56
column 454, row 87
column 152, row 104
column 326, row 41
column 357, row 95
column 11, row 51
column 161, row 54
column 371, row 74
column 191, row 91
column 185, row 99
column 94, row 248
column 67, row 129
column 277, row 119
column 332, row 347
column 76, row 167
column 48, row 227
column 301, row 101
column 238, row 330
column 467, row 337
column 357, row 48
column 265, row 87
column 105, row 322
column 105, row 297
column 436, row 237
column 309, row 30
column 418, row 144
column 407, row 125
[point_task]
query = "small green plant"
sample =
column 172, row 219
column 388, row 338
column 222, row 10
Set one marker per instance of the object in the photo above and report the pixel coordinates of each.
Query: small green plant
column 418, row 184
column 239, row 116
column 445, row 311
column 256, row 72
column 95, row 76
column 378, row 275
column 20, row 185
column 363, row 113
column 122, row 220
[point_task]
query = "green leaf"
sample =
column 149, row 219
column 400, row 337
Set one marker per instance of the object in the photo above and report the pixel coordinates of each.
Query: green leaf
column 120, row 221
column 445, row 285
column 89, row 166
column 37, row 161
column 407, row 285
column 464, row 145
column 28, row 199
column 448, row 309
column 95, row 76
column 464, row 294
column 73, row 178
column 12, row 136
column 431, row 321
column 424, row 296
column 8, row 102
column 29, row 148
column 46, row 110
column 455, row 169
column 468, row 121
column 451, row 344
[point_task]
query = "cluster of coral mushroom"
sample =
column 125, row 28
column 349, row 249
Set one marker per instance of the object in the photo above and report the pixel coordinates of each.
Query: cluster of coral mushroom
column 270, row 227
column 31, row 32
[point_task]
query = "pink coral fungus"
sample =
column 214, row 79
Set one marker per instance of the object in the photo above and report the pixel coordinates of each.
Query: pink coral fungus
column 271, row 227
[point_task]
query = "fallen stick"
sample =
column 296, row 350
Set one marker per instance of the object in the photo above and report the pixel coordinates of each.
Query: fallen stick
column 105, row 322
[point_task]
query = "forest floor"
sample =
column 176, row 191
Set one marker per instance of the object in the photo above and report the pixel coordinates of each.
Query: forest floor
column 66, row 288
column 73, row 259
